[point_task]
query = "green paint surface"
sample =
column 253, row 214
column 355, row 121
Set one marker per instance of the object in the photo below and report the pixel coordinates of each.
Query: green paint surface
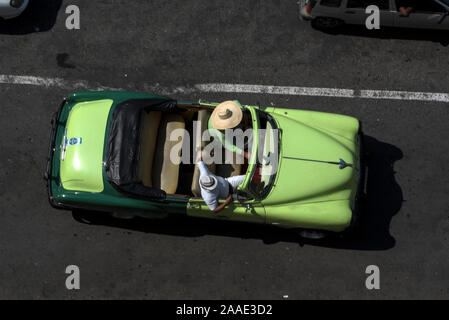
column 81, row 168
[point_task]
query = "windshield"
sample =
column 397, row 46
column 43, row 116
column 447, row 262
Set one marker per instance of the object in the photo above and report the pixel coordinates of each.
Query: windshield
column 267, row 158
column 446, row 2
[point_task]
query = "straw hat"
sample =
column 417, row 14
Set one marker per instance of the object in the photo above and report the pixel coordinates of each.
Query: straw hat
column 226, row 115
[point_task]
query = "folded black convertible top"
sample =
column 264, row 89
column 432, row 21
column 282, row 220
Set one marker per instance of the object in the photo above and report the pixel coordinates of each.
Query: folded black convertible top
column 123, row 146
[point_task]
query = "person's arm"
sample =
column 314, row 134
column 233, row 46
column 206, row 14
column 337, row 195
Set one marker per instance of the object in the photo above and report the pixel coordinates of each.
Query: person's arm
column 224, row 204
column 235, row 181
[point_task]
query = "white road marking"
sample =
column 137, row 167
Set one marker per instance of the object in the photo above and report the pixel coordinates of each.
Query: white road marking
column 261, row 89
column 51, row 82
column 323, row 92
column 235, row 88
column 404, row 95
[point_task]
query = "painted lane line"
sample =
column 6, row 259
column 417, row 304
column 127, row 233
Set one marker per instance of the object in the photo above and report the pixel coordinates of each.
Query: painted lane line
column 30, row 80
column 275, row 90
column 233, row 88
column 404, row 95
column 323, row 92
column 51, row 82
column 83, row 85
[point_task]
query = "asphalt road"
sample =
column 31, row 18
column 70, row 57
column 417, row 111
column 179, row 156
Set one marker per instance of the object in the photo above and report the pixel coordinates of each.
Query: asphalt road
column 135, row 45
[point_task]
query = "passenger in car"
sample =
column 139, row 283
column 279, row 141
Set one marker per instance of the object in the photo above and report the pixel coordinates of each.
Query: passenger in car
column 214, row 188
column 405, row 11
column 406, row 7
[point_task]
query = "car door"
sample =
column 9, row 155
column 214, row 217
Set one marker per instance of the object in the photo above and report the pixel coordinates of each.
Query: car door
column 238, row 210
column 355, row 12
column 426, row 15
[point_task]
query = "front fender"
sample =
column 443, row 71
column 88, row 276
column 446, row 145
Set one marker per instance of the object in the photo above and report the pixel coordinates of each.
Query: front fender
column 328, row 215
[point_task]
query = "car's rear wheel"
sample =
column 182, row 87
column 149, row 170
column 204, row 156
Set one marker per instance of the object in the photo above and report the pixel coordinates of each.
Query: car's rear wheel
column 89, row 217
column 326, row 23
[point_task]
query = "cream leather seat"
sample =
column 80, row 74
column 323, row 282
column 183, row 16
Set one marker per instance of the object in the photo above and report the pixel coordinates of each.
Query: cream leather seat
column 203, row 119
column 148, row 140
column 165, row 172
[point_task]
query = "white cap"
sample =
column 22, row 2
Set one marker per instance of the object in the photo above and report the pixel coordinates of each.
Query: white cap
column 208, row 182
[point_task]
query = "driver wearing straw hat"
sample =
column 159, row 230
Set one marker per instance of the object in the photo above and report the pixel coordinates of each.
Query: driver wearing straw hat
column 228, row 115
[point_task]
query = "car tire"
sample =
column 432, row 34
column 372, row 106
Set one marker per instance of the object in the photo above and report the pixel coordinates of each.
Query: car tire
column 325, row 23
column 89, row 217
column 311, row 234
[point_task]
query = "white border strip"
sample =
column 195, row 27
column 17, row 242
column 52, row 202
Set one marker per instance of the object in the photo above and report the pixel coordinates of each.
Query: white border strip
column 236, row 88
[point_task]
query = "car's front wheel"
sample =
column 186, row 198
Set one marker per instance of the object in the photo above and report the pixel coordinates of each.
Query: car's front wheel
column 326, row 23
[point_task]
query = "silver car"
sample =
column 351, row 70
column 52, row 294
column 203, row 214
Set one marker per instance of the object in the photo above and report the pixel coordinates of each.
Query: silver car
column 12, row 8
column 425, row 14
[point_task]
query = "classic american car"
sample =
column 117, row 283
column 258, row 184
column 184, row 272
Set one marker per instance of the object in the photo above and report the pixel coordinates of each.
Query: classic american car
column 330, row 14
column 110, row 152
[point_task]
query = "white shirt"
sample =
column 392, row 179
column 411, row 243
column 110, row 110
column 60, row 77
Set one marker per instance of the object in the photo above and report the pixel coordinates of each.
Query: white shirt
column 221, row 191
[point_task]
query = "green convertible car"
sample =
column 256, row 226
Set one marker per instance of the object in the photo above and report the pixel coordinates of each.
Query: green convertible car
column 110, row 152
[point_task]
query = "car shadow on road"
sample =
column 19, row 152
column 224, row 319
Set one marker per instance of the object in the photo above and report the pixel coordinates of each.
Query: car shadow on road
column 383, row 201
column 39, row 16
column 438, row 36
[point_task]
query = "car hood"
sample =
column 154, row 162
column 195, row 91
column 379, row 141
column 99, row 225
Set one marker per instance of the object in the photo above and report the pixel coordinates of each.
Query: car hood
column 309, row 165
